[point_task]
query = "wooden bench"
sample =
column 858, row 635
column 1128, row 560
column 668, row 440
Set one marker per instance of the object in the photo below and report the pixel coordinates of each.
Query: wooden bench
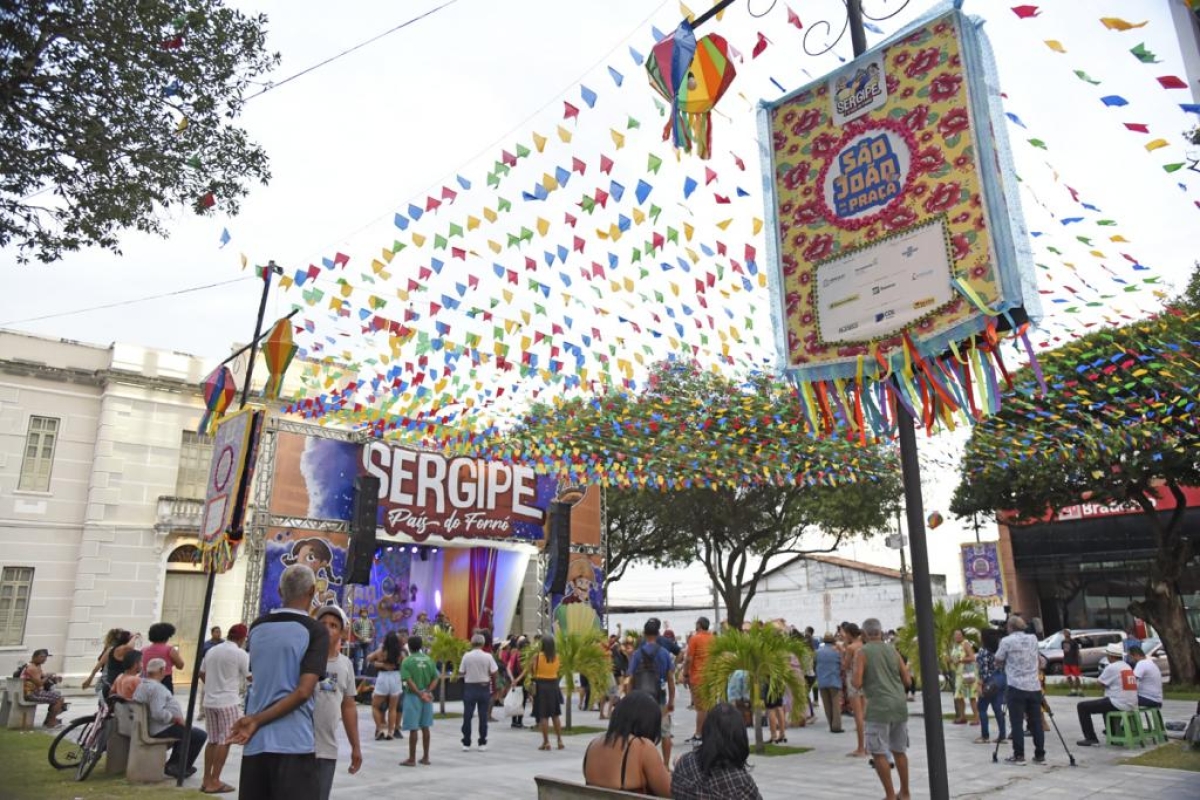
column 557, row 789
column 16, row 713
column 144, row 756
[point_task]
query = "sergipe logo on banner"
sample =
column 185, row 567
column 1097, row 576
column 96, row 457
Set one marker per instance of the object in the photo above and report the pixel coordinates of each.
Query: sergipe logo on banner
column 858, row 90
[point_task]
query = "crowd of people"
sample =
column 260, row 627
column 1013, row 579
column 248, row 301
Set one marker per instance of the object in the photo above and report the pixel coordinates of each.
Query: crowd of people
column 287, row 713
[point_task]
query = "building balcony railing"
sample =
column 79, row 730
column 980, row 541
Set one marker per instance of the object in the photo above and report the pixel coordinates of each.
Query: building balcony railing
column 179, row 514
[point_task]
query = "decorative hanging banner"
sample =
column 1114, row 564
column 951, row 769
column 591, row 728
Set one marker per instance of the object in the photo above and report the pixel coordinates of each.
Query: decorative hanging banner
column 892, row 233
column 234, row 450
column 982, row 577
column 691, row 75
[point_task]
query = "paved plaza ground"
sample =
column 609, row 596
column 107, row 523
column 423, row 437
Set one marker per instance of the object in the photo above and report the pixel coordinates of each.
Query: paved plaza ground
column 512, row 760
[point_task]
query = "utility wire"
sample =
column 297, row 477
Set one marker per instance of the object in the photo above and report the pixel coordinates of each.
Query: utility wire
column 126, row 302
column 350, row 50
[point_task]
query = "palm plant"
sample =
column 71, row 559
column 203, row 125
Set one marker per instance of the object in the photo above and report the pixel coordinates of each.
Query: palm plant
column 969, row 616
column 766, row 656
column 579, row 652
column 447, row 650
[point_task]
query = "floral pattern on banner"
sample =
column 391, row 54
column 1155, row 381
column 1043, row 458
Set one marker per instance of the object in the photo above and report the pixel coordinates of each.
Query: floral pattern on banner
column 927, row 106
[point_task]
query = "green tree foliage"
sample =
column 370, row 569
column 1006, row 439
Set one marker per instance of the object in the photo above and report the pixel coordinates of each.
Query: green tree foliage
column 968, row 616
column 578, row 653
column 766, row 656
column 1119, row 423
column 747, row 483
column 93, row 99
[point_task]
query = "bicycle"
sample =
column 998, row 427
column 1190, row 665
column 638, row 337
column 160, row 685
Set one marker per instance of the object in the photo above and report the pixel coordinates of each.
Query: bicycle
column 80, row 745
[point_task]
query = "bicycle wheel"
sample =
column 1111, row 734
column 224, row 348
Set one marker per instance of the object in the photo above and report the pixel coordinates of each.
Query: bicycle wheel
column 67, row 747
column 93, row 751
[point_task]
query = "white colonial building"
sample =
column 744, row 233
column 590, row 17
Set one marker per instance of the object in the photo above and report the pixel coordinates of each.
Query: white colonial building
column 102, row 476
column 824, row 590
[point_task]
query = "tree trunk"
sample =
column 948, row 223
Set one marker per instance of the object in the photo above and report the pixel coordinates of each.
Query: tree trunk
column 1163, row 608
column 757, row 710
column 570, row 697
column 442, row 691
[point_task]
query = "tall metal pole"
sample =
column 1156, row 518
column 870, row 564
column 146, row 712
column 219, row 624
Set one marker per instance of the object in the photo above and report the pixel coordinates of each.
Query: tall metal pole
column 910, row 467
column 270, row 270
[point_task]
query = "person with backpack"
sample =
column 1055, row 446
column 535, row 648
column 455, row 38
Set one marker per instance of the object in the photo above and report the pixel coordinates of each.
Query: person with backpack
column 652, row 670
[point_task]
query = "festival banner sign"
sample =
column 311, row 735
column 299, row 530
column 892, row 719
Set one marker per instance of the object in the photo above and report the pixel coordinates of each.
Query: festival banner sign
column 424, row 493
column 230, row 472
column 896, row 236
column 982, row 577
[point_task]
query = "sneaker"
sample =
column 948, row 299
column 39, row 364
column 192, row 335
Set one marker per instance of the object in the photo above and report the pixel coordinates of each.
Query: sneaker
column 982, row 740
column 483, row 749
column 1016, row 761
column 1039, row 760
column 466, row 748
column 1088, row 742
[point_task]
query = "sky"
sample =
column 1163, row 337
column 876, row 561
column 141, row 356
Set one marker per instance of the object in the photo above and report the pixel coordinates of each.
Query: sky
column 356, row 141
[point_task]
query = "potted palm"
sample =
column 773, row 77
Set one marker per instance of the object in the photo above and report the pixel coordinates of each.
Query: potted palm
column 447, row 651
column 765, row 654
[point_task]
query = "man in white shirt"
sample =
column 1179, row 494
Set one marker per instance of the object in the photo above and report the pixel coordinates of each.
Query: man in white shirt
column 1018, row 657
column 165, row 718
column 224, row 669
column 1149, row 679
column 335, row 702
column 477, row 669
column 1120, row 694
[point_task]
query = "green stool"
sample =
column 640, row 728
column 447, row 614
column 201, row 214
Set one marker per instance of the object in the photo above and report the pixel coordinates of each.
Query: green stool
column 1153, row 730
column 1123, row 728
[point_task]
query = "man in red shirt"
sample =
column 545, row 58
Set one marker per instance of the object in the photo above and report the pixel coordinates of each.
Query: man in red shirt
column 697, row 656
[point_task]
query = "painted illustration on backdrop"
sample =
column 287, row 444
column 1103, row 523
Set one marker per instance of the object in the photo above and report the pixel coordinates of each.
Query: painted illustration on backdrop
column 324, row 553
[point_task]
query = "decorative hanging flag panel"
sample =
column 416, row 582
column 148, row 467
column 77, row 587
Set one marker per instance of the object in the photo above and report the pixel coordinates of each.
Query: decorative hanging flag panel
column 892, row 238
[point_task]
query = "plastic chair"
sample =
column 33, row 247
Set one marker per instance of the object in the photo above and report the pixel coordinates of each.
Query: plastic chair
column 1123, row 728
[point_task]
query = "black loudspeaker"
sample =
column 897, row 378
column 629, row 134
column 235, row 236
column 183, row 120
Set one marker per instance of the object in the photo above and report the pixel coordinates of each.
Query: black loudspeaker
column 361, row 553
column 559, row 545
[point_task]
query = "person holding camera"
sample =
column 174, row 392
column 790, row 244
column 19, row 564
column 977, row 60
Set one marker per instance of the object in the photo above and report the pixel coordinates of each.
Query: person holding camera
column 38, row 686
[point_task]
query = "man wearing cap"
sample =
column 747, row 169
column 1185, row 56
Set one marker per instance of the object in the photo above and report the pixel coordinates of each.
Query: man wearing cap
column 36, row 684
column 165, row 719
column 335, row 702
column 477, row 669
column 1120, row 694
column 224, row 669
column 288, row 651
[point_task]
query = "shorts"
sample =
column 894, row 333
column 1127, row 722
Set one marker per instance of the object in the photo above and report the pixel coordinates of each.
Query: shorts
column 1072, row 671
column 43, row 696
column 219, row 723
column 884, row 737
column 279, row 776
column 387, row 684
column 417, row 713
column 964, row 689
column 666, row 724
column 326, row 770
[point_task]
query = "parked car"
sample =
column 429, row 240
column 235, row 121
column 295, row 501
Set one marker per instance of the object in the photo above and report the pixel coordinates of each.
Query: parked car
column 1092, row 642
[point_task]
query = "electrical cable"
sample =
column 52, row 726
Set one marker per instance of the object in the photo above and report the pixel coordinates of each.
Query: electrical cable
column 127, row 302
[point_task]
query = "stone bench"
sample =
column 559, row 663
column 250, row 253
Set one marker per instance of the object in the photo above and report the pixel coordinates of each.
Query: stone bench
column 16, row 713
column 557, row 789
column 131, row 748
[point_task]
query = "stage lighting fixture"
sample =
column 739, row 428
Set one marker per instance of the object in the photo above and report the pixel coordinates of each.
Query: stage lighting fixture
column 435, row 551
column 389, row 549
column 414, row 550
column 424, row 553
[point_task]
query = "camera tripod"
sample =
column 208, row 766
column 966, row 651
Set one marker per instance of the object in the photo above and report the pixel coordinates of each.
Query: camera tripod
column 1053, row 722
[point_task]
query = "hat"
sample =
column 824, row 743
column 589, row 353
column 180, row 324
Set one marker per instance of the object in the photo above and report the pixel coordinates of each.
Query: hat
column 41, row 652
column 1115, row 650
column 238, row 632
column 332, row 609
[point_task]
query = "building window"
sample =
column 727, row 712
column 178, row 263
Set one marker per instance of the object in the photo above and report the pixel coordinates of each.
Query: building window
column 39, row 454
column 195, row 457
column 16, row 583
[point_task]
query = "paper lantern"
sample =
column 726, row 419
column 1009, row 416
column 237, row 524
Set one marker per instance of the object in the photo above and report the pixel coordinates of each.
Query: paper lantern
column 693, row 76
column 278, row 352
column 934, row 520
column 219, row 389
